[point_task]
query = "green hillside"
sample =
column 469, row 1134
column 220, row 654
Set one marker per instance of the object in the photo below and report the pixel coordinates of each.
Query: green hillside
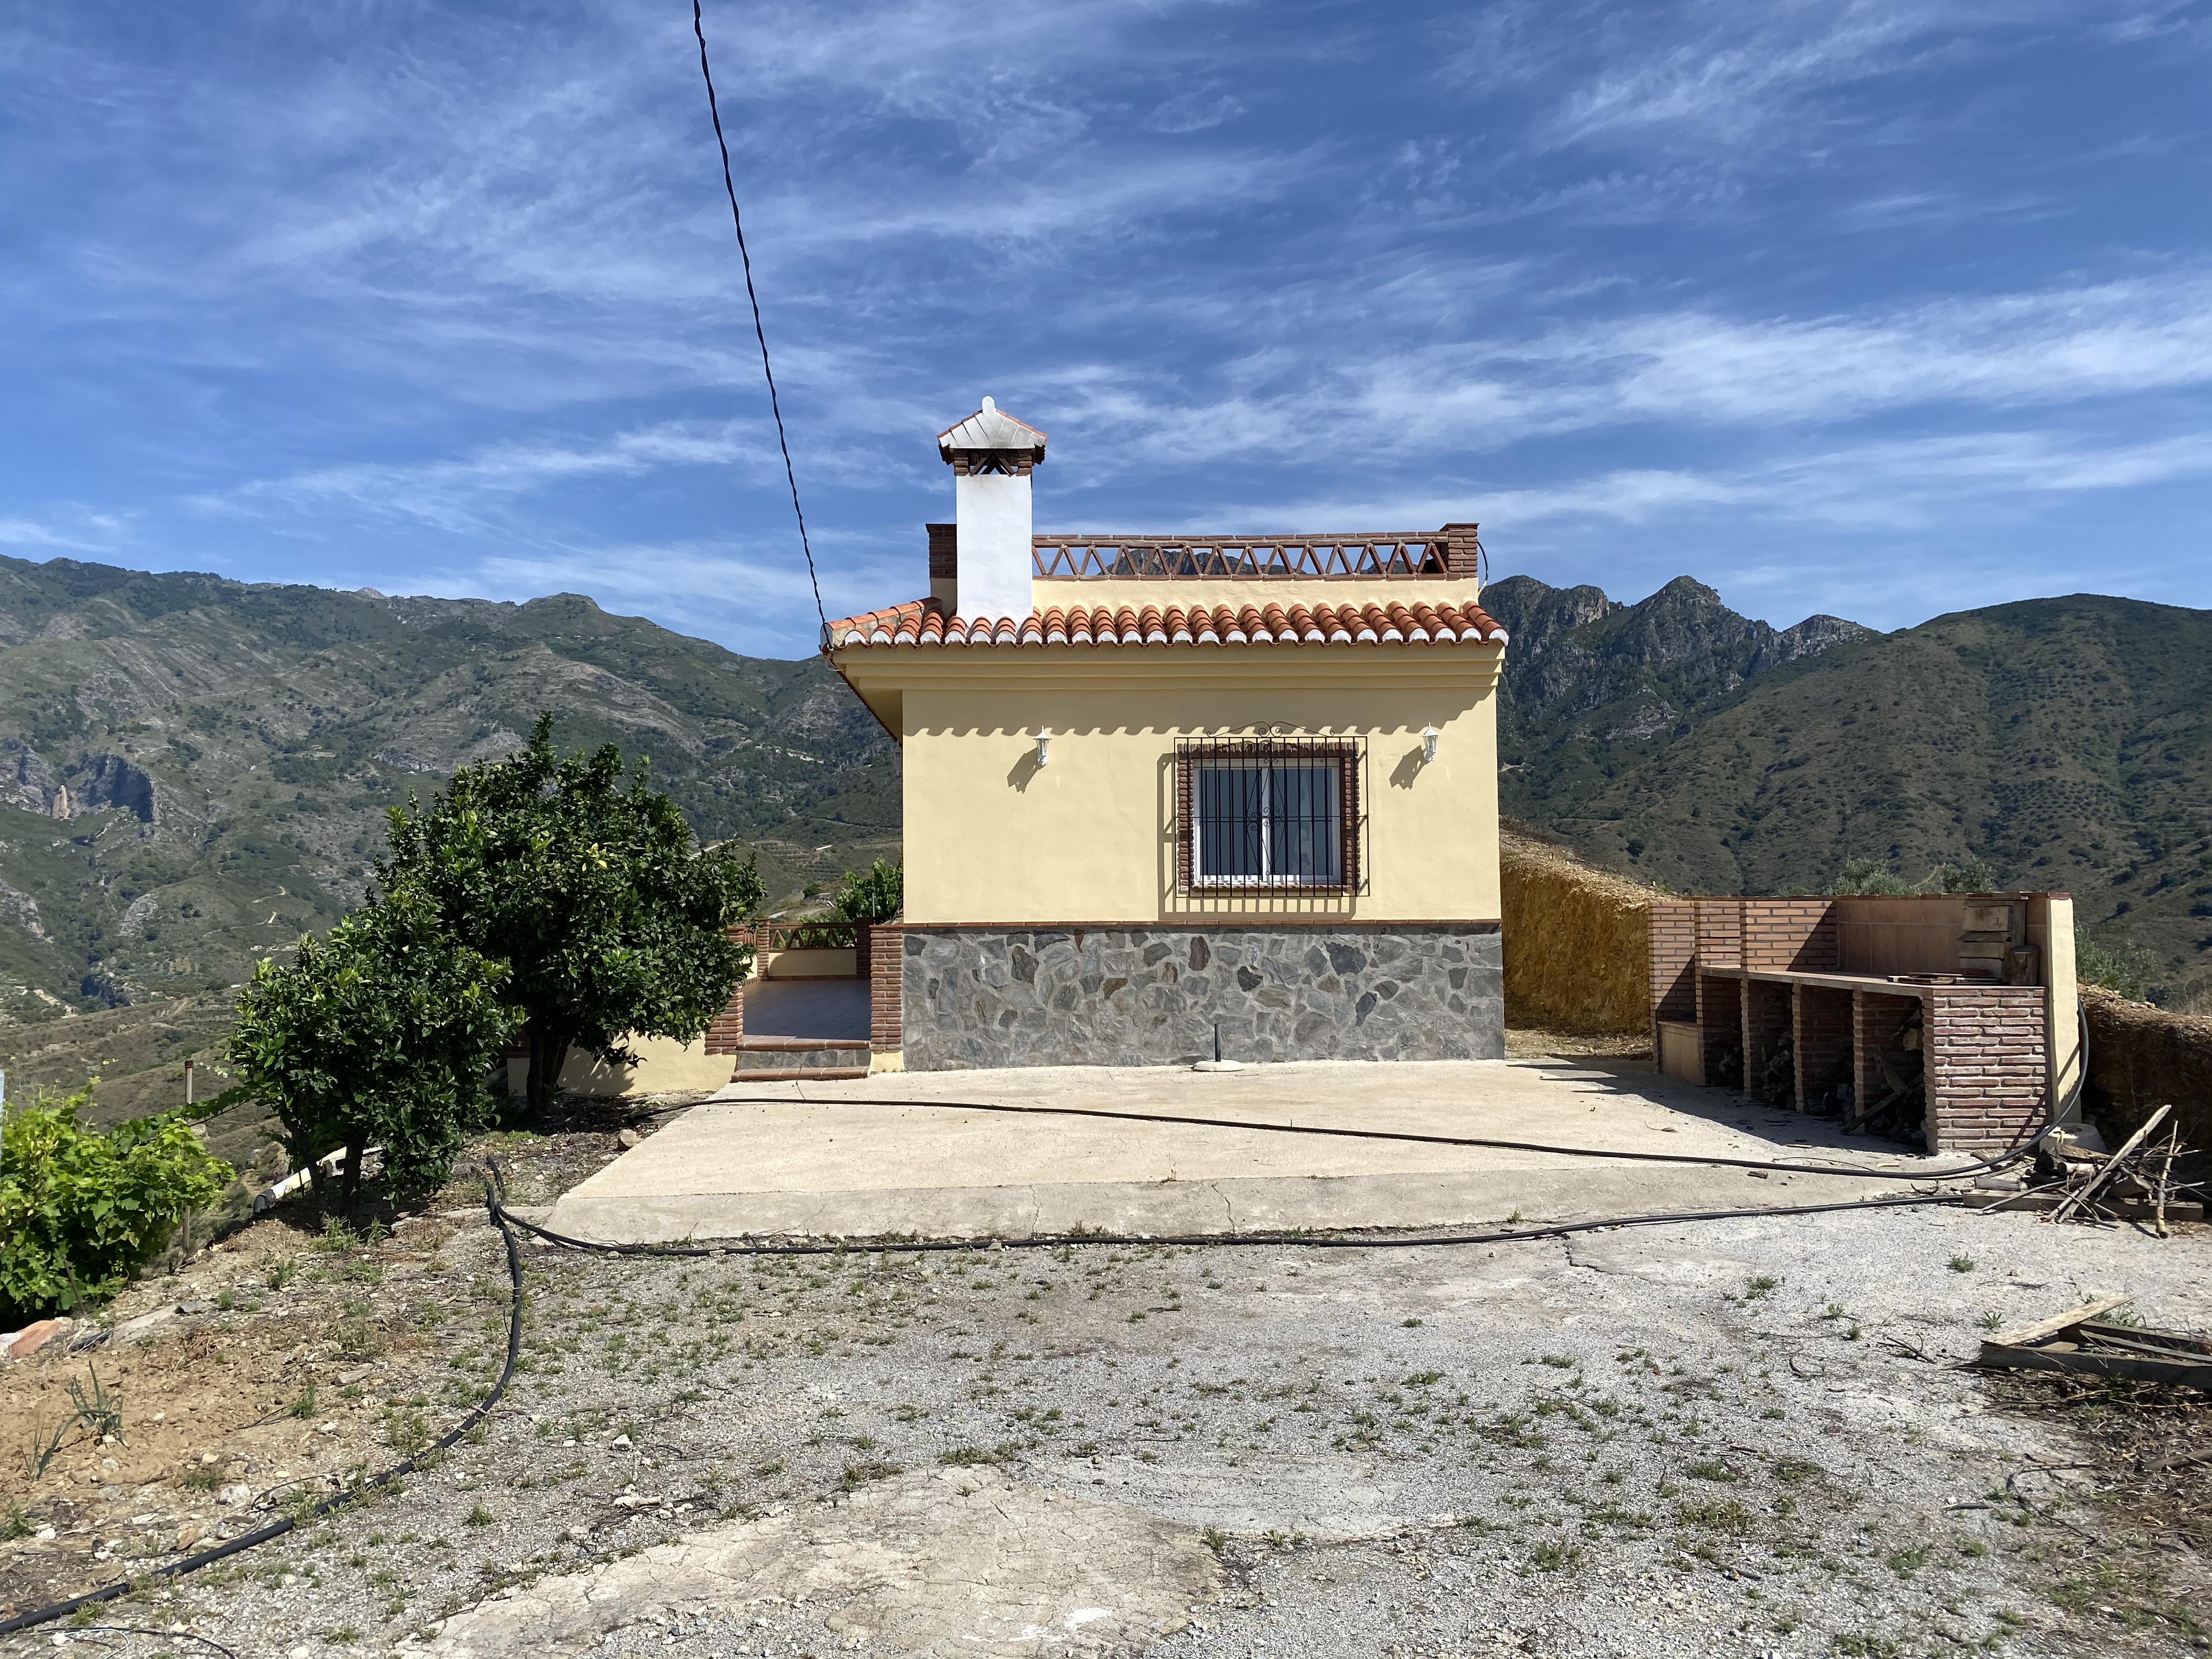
column 2065, row 740
column 193, row 770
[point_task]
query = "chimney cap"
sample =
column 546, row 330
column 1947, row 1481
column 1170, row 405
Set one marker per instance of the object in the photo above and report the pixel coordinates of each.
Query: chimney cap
column 991, row 441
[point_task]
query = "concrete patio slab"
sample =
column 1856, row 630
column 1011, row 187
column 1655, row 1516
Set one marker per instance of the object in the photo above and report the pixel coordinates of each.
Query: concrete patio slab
column 911, row 1154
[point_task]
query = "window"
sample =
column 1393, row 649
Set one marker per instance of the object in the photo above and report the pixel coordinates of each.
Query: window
column 1269, row 813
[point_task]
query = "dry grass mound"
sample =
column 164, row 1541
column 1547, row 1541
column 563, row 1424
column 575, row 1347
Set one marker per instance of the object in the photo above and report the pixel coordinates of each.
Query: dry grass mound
column 1578, row 939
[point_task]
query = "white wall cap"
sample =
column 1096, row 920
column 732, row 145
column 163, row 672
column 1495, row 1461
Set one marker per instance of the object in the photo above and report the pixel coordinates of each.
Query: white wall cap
column 990, row 428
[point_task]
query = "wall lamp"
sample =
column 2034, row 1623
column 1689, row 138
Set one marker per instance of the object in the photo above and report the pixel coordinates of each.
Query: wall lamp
column 1044, row 746
column 1428, row 735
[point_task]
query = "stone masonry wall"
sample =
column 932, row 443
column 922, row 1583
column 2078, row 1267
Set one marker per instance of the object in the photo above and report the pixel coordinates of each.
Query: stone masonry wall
column 1151, row 996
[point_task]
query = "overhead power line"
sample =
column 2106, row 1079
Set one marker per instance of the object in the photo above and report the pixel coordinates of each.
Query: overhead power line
column 738, row 219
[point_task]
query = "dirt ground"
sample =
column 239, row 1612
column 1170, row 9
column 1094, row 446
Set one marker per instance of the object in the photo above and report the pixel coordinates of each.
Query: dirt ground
column 1749, row 1437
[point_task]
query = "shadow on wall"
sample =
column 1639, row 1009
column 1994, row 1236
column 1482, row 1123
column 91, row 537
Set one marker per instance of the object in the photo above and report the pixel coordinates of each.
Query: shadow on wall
column 1577, row 940
column 2141, row 1058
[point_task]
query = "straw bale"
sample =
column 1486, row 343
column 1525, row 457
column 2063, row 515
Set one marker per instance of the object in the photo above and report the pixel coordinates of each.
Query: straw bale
column 1576, row 940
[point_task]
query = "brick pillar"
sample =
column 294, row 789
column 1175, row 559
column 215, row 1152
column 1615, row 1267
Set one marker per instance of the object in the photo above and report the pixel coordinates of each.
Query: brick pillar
column 1463, row 551
column 727, row 1033
column 1988, row 1067
column 1720, row 1026
column 886, row 990
column 1789, row 935
column 1674, row 947
column 1765, row 1024
column 1822, row 1033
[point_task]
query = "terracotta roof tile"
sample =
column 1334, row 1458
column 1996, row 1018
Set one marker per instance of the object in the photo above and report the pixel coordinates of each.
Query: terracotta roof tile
column 923, row 622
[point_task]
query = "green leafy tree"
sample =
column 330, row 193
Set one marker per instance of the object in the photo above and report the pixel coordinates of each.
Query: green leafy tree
column 379, row 1035
column 1869, row 876
column 588, row 885
column 1872, row 876
column 80, row 1211
column 875, row 894
column 2125, row 966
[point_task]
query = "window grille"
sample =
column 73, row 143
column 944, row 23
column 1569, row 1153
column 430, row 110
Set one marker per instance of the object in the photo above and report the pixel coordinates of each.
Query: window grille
column 1274, row 814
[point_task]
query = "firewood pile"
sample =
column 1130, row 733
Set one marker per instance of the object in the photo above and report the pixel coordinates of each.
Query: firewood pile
column 2078, row 1179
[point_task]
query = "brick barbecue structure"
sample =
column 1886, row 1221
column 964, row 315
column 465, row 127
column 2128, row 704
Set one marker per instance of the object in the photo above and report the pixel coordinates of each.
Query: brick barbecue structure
column 1953, row 1014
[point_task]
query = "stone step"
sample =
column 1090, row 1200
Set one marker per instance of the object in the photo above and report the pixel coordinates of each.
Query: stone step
column 757, row 1058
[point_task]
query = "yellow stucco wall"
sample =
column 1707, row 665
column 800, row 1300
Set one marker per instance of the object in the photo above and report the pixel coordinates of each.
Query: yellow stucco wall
column 991, row 836
column 665, row 1067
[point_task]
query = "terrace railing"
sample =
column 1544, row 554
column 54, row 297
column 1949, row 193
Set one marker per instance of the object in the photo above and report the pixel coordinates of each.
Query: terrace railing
column 809, row 935
column 1365, row 553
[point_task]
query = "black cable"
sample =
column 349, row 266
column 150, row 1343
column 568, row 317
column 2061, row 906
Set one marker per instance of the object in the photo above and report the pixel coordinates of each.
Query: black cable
column 1212, row 1241
column 497, row 1209
column 2012, row 1155
column 729, row 185
column 165, row 1635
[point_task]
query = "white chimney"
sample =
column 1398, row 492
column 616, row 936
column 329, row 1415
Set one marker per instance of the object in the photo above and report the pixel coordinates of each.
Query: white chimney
column 991, row 454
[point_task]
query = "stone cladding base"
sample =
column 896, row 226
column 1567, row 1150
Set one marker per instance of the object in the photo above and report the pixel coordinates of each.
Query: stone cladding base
column 1151, row 996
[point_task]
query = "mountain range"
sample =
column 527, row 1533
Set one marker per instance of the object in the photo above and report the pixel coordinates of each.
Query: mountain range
column 2065, row 741
column 195, row 770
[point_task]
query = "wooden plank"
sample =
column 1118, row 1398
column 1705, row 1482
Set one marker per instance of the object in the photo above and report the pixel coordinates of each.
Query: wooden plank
column 2121, row 1209
column 2044, row 1329
column 2098, row 1364
column 2159, row 1344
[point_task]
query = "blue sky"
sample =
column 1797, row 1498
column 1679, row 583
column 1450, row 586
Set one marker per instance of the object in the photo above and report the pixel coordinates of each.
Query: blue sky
column 1880, row 309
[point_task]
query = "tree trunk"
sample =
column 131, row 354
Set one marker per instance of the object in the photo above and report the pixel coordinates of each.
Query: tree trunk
column 349, row 1191
column 548, row 1056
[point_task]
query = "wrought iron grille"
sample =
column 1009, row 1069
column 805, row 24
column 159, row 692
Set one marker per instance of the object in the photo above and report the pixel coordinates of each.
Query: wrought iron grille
column 1271, row 814
column 1368, row 553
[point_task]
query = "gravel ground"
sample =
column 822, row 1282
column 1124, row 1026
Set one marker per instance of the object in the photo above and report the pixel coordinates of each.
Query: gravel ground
column 1739, row 1437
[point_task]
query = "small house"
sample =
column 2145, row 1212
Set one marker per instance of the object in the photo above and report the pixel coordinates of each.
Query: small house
column 1164, row 789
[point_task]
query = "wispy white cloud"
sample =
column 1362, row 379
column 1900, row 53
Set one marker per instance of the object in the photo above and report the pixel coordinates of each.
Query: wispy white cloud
column 1716, row 73
column 1678, row 369
column 73, row 530
column 453, row 495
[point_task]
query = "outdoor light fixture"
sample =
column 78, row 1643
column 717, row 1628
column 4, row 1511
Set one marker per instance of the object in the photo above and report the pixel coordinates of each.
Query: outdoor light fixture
column 1044, row 746
column 1429, row 743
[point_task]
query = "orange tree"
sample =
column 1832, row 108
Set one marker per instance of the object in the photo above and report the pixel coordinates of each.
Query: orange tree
column 379, row 1035
column 587, row 882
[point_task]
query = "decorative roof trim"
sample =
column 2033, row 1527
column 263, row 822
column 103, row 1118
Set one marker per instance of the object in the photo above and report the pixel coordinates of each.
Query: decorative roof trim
column 1198, row 628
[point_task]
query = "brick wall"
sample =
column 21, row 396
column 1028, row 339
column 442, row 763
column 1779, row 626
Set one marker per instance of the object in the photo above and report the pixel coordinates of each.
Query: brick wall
column 1989, row 1064
column 1720, row 1003
column 727, row 1033
column 1765, row 1024
column 1789, row 935
column 1673, row 949
column 1720, row 931
column 1823, row 1032
column 886, row 974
